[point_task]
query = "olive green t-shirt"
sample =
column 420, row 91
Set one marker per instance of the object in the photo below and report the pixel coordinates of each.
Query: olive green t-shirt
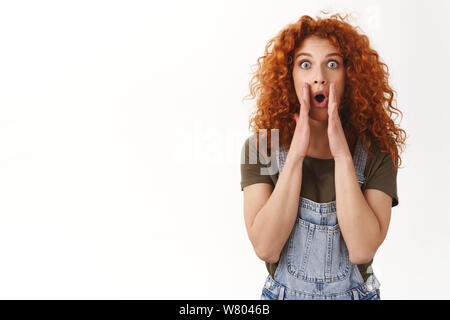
column 318, row 180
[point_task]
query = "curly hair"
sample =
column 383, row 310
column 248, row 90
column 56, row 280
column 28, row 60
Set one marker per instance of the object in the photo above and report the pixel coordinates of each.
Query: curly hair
column 366, row 106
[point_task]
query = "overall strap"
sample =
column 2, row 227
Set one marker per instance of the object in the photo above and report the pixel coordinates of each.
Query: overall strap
column 359, row 160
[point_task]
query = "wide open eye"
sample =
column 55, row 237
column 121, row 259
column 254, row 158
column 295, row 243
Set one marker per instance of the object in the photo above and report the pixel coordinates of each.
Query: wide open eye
column 302, row 64
column 333, row 64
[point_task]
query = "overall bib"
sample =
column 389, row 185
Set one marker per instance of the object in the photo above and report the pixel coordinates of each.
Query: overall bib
column 314, row 262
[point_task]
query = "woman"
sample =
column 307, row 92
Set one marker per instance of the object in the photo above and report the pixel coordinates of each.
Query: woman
column 319, row 219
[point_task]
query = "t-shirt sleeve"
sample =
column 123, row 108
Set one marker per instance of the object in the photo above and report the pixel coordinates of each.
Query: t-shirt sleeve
column 384, row 177
column 251, row 166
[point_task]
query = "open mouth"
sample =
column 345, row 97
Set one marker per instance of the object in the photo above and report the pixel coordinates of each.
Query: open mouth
column 319, row 98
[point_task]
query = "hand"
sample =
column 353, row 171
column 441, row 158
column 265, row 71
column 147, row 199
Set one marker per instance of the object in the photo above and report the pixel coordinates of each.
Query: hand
column 300, row 140
column 336, row 136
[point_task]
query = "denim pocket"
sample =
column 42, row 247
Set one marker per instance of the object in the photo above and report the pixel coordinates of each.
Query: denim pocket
column 317, row 253
column 271, row 290
column 375, row 295
column 268, row 295
column 369, row 295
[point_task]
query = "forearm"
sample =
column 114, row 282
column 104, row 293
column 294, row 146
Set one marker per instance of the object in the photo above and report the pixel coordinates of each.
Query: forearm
column 275, row 220
column 359, row 225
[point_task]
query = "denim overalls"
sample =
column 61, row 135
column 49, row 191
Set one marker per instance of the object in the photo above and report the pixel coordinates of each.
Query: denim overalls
column 314, row 262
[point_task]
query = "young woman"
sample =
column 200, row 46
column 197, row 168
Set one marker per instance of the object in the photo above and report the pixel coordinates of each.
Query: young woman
column 319, row 219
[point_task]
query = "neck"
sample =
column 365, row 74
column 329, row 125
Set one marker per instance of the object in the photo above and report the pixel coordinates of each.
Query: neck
column 318, row 141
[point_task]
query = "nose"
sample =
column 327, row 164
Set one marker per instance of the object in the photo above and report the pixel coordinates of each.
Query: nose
column 319, row 78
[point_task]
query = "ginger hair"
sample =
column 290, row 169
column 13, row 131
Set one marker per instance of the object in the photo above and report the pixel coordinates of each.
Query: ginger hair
column 367, row 103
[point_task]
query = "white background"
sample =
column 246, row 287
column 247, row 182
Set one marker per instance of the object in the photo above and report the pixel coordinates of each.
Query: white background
column 121, row 126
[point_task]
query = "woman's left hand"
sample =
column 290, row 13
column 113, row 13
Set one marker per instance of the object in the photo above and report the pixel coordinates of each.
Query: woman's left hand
column 336, row 136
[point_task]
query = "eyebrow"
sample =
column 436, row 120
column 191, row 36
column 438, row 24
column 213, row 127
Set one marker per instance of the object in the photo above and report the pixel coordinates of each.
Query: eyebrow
column 308, row 54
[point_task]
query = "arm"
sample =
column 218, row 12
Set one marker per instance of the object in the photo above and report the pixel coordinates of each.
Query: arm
column 363, row 223
column 270, row 216
column 363, row 220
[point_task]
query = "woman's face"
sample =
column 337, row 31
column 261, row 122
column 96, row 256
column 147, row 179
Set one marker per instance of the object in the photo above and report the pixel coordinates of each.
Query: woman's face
column 318, row 63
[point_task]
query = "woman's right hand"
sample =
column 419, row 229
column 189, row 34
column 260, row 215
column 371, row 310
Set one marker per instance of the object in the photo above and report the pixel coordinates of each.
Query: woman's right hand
column 300, row 140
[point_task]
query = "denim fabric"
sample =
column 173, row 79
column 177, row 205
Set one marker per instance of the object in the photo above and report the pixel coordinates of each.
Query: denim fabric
column 273, row 290
column 314, row 263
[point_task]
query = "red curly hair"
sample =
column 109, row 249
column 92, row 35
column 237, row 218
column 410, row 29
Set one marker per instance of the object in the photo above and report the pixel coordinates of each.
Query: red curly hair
column 366, row 106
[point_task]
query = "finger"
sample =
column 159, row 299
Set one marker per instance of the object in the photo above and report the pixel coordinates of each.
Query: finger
column 305, row 101
column 332, row 112
column 330, row 108
column 332, row 100
column 332, row 95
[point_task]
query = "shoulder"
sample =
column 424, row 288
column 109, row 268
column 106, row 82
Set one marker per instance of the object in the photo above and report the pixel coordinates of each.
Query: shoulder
column 377, row 158
column 250, row 154
column 255, row 166
column 381, row 173
column 245, row 150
